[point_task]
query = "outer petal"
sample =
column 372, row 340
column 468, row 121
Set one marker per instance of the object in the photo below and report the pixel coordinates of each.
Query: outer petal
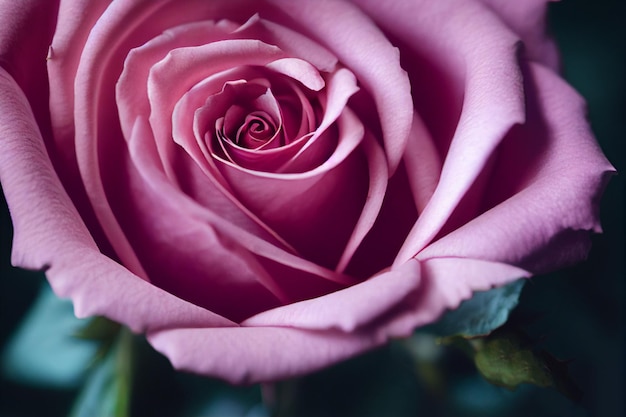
column 76, row 18
column 26, row 29
column 257, row 354
column 554, row 173
column 528, row 19
column 253, row 354
column 50, row 234
column 445, row 283
column 348, row 309
column 485, row 55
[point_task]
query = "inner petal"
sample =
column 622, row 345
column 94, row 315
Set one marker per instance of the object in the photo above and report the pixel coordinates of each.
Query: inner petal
column 253, row 119
column 256, row 130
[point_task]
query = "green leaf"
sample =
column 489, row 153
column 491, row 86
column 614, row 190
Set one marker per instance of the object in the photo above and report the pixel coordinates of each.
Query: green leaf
column 507, row 359
column 108, row 389
column 43, row 350
column 481, row 314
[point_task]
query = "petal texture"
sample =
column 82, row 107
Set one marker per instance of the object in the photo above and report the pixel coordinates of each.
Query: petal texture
column 50, row 235
column 268, row 187
column 560, row 173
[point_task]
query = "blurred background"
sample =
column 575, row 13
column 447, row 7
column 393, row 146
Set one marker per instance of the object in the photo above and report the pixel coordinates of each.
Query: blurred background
column 577, row 314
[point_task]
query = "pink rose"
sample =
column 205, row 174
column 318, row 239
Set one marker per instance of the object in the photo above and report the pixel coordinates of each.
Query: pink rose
column 268, row 187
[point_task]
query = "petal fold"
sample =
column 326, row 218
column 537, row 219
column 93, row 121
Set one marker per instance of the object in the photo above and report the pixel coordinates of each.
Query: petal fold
column 347, row 309
column 50, row 235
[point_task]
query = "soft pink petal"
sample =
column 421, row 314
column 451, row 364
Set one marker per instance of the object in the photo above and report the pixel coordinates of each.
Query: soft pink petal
column 377, row 170
column 294, row 43
column 122, row 26
column 146, row 160
column 446, row 282
column 299, row 70
column 528, row 19
column 396, row 217
column 266, row 353
column 76, row 18
column 348, row 309
column 552, row 172
column 50, row 235
column 182, row 68
column 247, row 355
column 367, row 53
column 493, row 98
column 190, row 258
column 132, row 87
column 340, row 86
column 423, row 163
column 26, row 29
column 93, row 119
column 74, row 22
column 317, row 227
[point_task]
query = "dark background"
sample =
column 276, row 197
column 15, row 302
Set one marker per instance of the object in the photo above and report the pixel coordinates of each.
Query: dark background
column 579, row 311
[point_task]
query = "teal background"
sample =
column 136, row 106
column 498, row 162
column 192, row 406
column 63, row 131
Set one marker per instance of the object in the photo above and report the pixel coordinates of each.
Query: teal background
column 578, row 312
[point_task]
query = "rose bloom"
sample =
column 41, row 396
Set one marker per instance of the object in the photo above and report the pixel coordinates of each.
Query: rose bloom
column 265, row 188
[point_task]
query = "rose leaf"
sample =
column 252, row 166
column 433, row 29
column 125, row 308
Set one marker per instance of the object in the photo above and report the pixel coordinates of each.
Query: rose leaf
column 507, row 359
column 481, row 314
column 43, row 350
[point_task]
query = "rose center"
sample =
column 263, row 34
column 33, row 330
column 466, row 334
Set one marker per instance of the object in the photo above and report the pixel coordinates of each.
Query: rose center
column 256, row 129
column 251, row 118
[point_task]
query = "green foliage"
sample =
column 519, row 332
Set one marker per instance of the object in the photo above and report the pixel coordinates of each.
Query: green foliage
column 481, row 314
column 107, row 390
column 43, row 352
column 507, row 358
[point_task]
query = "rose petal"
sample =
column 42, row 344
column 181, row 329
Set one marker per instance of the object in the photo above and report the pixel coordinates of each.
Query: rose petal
column 528, row 20
column 253, row 354
column 317, row 227
column 394, row 220
column 493, row 100
column 120, row 28
column 446, row 282
column 377, row 170
column 366, row 52
column 144, row 157
column 299, row 70
column 190, row 258
column 247, row 355
column 290, row 41
column 554, row 191
column 13, row 35
column 49, row 234
column 348, row 309
column 132, row 87
column 75, row 20
column 28, row 69
column 423, row 163
column 340, row 86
